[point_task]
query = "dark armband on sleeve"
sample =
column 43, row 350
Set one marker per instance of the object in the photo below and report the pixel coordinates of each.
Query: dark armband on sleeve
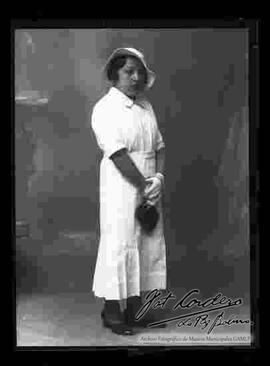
column 128, row 168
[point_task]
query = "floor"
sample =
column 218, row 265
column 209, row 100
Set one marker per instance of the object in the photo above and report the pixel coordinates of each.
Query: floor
column 73, row 319
column 55, row 307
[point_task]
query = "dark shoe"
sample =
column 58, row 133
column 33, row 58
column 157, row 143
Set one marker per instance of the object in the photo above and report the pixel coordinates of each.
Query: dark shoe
column 116, row 325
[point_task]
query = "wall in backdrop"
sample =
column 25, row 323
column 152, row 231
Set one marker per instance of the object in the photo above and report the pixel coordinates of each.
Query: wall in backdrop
column 200, row 99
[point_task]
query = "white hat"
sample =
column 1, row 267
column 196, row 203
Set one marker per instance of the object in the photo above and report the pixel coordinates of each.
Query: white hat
column 132, row 52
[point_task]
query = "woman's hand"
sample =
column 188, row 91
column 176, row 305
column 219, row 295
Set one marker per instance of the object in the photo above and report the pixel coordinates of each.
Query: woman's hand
column 152, row 192
column 154, row 200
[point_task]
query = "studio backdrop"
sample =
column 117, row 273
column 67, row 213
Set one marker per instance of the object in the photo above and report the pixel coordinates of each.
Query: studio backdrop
column 201, row 102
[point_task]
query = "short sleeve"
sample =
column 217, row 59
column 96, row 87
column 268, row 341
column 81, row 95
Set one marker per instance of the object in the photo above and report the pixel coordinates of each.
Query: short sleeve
column 159, row 142
column 107, row 130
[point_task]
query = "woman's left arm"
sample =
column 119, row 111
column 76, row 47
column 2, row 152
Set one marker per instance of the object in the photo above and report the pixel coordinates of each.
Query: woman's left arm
column 160, row 160
column 153, row 193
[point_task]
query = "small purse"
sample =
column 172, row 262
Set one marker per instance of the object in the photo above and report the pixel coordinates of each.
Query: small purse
column 148, row 216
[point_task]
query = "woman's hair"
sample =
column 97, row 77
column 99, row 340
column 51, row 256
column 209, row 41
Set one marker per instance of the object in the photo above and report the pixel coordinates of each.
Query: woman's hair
column 116, row 64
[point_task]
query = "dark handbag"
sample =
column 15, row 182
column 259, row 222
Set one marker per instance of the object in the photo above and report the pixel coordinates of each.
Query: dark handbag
column 148, row 216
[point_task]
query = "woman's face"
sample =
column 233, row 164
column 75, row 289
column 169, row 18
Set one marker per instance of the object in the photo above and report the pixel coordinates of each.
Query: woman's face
column 131, row 77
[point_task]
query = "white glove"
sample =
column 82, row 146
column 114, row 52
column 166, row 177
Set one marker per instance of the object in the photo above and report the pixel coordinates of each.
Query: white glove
column 153, row 192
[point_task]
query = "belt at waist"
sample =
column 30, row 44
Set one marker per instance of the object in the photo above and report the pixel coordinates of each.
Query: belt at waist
column 144, row 154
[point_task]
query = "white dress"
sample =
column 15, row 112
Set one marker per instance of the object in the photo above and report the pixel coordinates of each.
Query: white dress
column 128, row 260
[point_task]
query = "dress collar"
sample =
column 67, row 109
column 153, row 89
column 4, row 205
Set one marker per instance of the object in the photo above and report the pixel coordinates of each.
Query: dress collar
column 128, row 102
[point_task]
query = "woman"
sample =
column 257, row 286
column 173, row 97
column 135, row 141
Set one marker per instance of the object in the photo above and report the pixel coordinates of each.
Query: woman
column 130, row 261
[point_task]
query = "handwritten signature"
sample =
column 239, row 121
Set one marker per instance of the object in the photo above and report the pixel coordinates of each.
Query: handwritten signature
column 195, row 318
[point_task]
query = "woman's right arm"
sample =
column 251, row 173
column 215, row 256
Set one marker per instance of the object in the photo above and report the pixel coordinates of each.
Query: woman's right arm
column 128, row 169
column 111, row 141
